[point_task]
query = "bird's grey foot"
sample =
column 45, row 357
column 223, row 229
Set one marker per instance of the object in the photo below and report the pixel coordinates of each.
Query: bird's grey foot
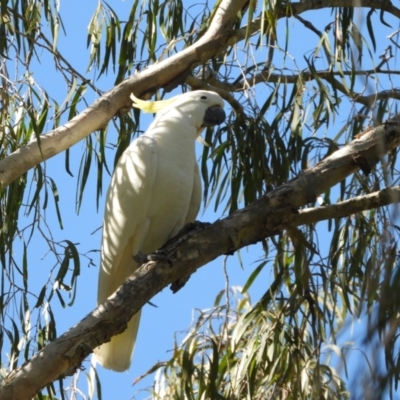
column 158, row 256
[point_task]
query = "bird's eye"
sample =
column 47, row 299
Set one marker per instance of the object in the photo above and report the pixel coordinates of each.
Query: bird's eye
column 203, row 97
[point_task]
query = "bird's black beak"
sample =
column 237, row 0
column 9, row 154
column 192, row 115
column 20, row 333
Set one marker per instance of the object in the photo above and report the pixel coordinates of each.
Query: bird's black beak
column 214, row 115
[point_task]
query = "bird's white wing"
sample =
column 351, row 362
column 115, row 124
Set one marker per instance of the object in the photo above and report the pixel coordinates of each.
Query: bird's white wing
column 125, row 228
column 155, row 190
column 195, row 200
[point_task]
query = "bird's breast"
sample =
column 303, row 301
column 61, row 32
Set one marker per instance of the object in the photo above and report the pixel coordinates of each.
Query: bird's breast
column 172, row 192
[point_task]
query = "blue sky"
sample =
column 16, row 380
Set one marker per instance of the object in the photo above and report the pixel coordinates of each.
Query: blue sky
column 174, row 313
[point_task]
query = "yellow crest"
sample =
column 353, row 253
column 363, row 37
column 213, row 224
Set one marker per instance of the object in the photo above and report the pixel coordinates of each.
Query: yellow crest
column 149, row 106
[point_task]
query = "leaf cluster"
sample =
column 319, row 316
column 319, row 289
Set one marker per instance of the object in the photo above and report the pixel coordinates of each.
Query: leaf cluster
column 291, row 103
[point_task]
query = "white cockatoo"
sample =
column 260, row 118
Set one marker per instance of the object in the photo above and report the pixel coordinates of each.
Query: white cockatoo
column 154, row 192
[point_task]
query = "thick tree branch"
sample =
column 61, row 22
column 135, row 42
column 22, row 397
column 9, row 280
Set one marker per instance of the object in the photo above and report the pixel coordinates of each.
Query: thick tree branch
column 219, row 37
column 111, row 103
column 191, row 250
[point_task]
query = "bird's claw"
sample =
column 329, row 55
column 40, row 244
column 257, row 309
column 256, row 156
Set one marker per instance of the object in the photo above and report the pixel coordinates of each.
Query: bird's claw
column 158, row 256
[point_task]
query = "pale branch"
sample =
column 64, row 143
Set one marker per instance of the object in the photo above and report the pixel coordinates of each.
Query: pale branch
column 117, row 100
column 217, row 39
column 192, row 249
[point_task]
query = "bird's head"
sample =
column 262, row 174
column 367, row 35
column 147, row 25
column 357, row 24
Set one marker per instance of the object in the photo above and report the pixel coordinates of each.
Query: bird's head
column 202, row 107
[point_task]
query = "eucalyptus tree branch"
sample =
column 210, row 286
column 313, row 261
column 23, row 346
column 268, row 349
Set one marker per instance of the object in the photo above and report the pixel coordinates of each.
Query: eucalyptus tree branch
column 117, row 100
column 346, row 208
column 194, row 248
column 372, row 98
column 217, row 39
column 265, row 76
column 367, row 101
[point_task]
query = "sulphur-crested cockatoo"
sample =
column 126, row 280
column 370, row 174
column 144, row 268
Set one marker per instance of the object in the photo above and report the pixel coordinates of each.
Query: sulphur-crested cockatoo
column 154, row 192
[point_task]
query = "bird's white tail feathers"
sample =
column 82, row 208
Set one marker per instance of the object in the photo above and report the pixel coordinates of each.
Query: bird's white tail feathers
column 117, row 353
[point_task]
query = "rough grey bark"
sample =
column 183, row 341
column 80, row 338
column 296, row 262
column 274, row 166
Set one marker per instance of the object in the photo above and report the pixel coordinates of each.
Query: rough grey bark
column 196, row 247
